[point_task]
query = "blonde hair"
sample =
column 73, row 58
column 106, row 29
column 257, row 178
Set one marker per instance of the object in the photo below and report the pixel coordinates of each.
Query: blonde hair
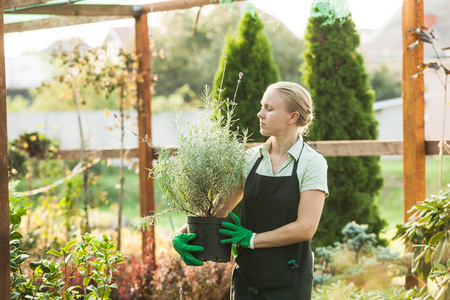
column 297, row 99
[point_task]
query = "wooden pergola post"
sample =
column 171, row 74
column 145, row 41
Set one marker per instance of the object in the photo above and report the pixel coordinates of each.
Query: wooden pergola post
column 146, row 187
column 414, row 189
column 5, row 284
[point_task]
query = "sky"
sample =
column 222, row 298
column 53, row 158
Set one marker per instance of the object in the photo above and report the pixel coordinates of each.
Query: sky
column 367, row 14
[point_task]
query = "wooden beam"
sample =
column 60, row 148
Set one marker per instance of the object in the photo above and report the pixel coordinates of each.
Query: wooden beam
column 327, row 148
column 81, row 10
column 109, row 9
column 176, row 4
column 358, row 148
column 10, row 4
column 5, row 280
column 414, row 189
column 54, row 22
column 146, row 186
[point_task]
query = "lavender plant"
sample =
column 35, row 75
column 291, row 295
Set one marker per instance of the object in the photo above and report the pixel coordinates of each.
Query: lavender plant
column 208, row 163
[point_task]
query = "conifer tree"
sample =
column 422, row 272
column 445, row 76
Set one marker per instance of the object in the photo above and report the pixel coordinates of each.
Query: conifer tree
column 248, row 51
column 334, row 73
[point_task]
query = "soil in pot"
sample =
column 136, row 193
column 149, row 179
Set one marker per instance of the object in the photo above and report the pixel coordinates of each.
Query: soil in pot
column 207, row 231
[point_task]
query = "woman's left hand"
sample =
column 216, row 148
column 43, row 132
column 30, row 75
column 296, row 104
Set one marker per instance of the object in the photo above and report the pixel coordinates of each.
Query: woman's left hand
column 238, row 235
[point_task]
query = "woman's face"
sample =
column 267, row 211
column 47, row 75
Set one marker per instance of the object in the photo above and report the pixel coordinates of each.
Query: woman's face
column 274, row 119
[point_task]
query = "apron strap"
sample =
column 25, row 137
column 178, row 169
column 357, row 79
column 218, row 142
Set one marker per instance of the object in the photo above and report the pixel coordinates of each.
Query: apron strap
column 294, row 169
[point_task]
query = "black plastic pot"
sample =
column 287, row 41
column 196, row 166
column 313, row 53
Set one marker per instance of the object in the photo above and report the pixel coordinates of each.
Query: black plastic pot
column 207, row 231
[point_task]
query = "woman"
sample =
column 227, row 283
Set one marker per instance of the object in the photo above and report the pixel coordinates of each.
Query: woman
column 283, row 193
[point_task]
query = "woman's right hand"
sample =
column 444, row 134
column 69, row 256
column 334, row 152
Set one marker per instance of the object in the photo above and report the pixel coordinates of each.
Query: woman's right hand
column 180, row 242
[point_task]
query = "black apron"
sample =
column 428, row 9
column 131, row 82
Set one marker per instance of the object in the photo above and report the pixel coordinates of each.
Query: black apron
column 272, row 273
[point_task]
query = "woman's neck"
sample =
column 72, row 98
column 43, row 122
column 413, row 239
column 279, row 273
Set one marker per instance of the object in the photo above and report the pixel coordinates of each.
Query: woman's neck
column 281, row 144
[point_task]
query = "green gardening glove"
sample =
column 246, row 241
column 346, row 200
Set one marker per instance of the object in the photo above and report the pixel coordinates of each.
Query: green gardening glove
column 238, row 235
column 180, row 242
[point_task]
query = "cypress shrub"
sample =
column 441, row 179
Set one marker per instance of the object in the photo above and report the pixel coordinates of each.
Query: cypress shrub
column 334, row 73
column 249, row 52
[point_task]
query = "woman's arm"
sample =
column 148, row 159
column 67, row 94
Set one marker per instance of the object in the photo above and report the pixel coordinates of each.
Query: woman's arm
column 303, row 229
column 231, row 202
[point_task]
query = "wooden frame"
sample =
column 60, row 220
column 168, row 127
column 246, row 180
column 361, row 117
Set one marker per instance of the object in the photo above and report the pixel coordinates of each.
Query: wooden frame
column 327, row 148
column 5, row 285
column 413, row 148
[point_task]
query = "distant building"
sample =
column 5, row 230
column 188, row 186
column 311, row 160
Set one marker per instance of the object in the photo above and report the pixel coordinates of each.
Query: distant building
column 385, row 45
column 29, row 70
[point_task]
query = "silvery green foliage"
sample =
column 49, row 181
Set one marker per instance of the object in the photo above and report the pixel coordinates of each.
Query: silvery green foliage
column 207, row 166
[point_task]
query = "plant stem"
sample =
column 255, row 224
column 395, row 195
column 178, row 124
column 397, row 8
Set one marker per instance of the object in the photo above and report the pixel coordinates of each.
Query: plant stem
column 441, row 144
column 122, row 176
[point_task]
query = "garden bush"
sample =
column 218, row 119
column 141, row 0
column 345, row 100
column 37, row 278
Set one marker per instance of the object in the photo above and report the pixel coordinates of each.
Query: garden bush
column 428, row 233
column 359, row 260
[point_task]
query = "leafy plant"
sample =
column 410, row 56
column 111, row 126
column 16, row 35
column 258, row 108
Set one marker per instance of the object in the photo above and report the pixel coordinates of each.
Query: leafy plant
column 428, row 233
column 92, row 260
column 208, row 163
column 20, row 284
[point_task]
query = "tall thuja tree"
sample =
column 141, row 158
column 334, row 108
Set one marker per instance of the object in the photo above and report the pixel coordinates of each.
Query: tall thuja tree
column 334, row 73
column 248, row 51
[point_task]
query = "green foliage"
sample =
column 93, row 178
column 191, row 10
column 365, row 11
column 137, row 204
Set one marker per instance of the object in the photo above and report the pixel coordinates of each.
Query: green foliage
column 249, row 52
column 77, row 74
column 35, row 145
column 17, row 103
column 385, row 82
column 428, row 231
column 179, row 56
column 20, row 284
column 207, row 167
column 92, row 259
column 340, row 290
column 357, row 260
column 335, row 75
column 17, row 162
column 356, row 237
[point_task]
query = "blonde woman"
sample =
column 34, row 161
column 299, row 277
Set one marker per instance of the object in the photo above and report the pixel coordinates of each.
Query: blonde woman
column 283, row 192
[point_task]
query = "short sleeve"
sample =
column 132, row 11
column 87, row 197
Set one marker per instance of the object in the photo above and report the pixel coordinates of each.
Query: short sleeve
column 314, row 175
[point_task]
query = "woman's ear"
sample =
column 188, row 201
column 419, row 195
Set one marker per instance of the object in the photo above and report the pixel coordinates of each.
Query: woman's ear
column 294, row 117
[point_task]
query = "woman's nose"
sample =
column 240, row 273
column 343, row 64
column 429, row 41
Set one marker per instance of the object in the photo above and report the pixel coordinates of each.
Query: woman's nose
column 259, row 114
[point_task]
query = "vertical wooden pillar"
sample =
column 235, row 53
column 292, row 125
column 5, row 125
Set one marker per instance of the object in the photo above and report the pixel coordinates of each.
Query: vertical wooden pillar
column 413, row 114
column 5, row 284
column 145, row 153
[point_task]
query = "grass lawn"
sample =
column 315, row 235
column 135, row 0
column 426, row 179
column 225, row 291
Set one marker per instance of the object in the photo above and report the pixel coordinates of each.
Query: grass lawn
column 390, row 199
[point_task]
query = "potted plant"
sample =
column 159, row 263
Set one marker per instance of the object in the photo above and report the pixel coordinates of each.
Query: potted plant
column 203, row 172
